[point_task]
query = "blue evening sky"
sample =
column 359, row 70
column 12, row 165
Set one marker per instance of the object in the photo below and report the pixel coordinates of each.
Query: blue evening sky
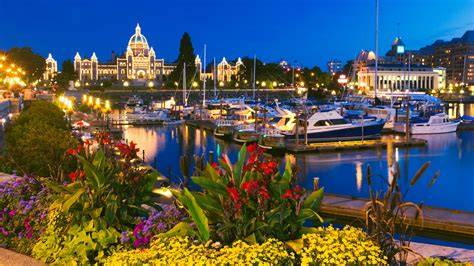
column 308, row 32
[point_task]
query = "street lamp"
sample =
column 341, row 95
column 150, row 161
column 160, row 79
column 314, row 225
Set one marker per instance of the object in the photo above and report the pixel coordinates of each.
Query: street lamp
column 195, row 84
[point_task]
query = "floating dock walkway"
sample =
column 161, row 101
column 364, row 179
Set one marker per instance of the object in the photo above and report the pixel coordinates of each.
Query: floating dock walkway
column 352, row 145
column 450, row 224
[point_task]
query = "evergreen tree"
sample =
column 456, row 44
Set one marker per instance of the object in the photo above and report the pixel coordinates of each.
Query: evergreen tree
column 33, row 64
column 186, row 55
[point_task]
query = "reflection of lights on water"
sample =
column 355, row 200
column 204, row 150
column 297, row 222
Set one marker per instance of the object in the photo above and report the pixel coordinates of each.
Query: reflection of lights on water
column 461, row 109
column 218, row 150
column 396, row 154
column 359, row 175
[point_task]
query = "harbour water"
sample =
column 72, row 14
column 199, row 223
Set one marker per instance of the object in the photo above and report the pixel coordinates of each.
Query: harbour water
column 342, row 173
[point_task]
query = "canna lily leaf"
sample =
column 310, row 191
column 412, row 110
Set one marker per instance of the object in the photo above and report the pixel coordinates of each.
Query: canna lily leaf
column 196, row 214
column 72, row 199
column 180, row 229
column 313, row 201
column 239, row 165
column 210, row 185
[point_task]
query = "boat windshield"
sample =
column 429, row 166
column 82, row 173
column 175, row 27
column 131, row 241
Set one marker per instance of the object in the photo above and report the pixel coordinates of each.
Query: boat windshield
column 330, row 122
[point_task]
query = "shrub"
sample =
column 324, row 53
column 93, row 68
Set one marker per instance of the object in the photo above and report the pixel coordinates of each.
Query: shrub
column 76, row 244
column 185, row 251
column 339, row 247
column 249, row 200
column 36, row 141
column 110, row 186
column 441, row 261
column 23, row 209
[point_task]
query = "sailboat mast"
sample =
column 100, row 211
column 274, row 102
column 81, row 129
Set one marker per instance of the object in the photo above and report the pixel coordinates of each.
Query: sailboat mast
column 204, row 83
column 214, row 76
column 185, row 101
column 376, row 83
column 254, row 78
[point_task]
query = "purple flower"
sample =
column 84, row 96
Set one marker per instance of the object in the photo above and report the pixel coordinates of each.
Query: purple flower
column 124, row 237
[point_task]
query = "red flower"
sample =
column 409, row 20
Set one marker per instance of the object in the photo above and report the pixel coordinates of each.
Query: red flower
column 288, row 194
column 233, row 193
column 214, row 165
column 252, row 147
column 71, row 151
column 73, row 176
column 250, row 186
column 263, row 192
column 76, row 174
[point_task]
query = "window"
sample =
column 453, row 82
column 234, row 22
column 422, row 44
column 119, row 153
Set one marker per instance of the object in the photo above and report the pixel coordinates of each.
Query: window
column 340, row 121
column 322, row 123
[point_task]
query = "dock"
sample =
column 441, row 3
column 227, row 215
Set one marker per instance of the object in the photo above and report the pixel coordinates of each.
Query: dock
column 202, row 124
column 447, row 223
column 352, row 145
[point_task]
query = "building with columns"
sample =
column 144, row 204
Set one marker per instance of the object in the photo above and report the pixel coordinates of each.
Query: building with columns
column 224, row 70
column 397, row 77
column 139, row 63
column 51, row 68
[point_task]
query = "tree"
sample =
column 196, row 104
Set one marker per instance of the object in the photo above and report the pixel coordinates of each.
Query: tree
column 37, row 140
column 33, row 64
column 186, row 55
column 67, row 74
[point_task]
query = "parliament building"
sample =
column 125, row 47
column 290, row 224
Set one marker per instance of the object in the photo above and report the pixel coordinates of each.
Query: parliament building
column 139, row 63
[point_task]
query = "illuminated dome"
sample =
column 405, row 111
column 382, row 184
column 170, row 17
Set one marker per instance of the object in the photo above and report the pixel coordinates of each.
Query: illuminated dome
column 366, row 56
column 138, row 43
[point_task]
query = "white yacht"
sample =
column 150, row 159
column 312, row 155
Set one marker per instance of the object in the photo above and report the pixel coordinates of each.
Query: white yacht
column 437, row 124
column 331, row 126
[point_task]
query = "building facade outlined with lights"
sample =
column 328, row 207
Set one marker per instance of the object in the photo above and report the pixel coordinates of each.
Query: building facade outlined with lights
column 139, row 63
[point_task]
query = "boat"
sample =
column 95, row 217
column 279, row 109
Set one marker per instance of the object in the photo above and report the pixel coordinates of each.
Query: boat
column 246, row 134
column 331, row 126
column 272, row 140
column 437, row 124
column 134, row 101
column 383, row 112
column 224, row 128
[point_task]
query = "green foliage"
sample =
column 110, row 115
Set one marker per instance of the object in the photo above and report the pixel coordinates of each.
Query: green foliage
column 388, row 214
column 37, row 140
column 441, row 261
column 249, row 200
column 78, row 244
column 33, row 64
column 110, row 185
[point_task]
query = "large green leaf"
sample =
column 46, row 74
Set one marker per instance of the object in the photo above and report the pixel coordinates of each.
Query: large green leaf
column 180, row 229
column 210, row 185
column 313, row 201
column 286, row 178
column 92, row 172
column 196, row 214
column 208, row 203
column 239, row 165
column 72, row 199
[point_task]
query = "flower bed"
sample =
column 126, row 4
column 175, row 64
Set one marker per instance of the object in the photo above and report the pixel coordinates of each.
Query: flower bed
column 105, row 211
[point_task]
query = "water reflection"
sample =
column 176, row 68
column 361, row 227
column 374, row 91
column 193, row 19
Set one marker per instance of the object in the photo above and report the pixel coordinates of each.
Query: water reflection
column 451, row 154
column 359, row 175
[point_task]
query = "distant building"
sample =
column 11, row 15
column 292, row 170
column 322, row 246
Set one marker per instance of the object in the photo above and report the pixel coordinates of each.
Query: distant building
column 334, row 66
column 456, row 55
column 139, row 63
column 397, row 77
column 224, row 70
column 398, row 70
column 51, row 68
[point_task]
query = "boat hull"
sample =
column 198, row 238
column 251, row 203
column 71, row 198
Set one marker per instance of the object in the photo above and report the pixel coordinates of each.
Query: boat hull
column 352, row 133
column 246, row 136
column 424, row 129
